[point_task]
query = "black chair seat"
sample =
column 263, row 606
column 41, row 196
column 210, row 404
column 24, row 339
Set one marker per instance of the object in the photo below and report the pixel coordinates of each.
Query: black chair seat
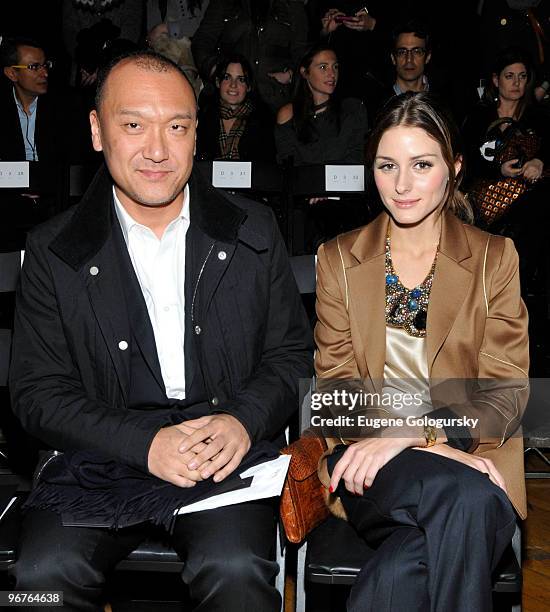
column 335, row 555
column 9, row 529
column 152, row 556
column 539, row 437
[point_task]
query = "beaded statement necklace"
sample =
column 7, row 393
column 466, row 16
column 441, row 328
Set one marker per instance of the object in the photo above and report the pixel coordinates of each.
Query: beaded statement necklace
column 407, row 308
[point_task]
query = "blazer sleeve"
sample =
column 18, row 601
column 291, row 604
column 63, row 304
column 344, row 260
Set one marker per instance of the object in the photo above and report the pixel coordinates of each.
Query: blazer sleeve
column 338, row 377
column 205, row 41
column 334, row 357
column 501, row 392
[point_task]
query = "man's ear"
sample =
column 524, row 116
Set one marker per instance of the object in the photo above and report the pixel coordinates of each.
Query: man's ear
column 428, row 57
column 96, row 131
column 11, row 74
column 392, row 58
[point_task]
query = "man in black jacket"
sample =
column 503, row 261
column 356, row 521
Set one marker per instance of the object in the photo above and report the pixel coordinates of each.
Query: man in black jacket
column 271, row 34
column 157, row 300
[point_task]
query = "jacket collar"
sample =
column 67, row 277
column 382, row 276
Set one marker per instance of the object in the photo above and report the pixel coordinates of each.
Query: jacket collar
column 90, row 226
column 371, row 241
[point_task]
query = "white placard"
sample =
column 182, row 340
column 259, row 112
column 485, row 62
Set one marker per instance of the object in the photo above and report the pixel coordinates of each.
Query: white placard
column 14, row 174
column 235, row 174
column 345, row 178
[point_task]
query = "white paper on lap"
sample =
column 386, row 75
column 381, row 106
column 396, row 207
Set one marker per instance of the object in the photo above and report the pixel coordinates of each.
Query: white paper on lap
column 268, row 480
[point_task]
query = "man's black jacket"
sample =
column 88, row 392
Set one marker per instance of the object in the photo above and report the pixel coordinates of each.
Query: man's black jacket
column 70, row 368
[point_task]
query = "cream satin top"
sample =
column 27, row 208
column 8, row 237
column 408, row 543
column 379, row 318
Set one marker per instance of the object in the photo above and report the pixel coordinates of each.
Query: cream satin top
column 406, row 372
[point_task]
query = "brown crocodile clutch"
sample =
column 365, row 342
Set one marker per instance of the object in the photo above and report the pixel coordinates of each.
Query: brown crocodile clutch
column 303, row 504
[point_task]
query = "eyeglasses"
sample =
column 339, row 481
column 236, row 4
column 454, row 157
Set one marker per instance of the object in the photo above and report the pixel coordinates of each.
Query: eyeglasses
column 416, row 51
column 47, row 65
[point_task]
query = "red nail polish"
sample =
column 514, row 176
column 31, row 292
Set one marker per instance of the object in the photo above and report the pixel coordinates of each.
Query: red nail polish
column 365, row 486
column 331, row 489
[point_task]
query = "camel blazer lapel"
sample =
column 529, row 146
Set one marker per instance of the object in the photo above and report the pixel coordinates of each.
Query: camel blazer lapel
column 366, row 285
column 451, row 285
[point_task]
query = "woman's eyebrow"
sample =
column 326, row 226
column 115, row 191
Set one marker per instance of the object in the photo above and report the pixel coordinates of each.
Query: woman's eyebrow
column 414, row 157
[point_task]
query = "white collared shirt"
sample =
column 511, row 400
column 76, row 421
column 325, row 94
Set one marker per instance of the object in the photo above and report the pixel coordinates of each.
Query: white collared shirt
column 160, row 268
column 425, row 83
column 28, row 126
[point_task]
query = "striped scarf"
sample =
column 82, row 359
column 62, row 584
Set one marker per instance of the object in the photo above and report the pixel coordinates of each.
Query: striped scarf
column 229, row 142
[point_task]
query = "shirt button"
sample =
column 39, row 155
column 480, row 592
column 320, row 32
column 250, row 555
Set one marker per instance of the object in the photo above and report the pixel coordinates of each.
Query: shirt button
column 222, row 255
column 123, row 345
column 197, row 330
column 94, row 270
column 215, row 401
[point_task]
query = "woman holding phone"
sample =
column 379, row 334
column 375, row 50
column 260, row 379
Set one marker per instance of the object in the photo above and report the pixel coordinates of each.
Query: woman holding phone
column 421, row 300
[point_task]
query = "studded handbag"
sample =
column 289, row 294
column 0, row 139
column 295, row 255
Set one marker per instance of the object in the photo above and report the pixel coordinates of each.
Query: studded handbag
column 493, row 198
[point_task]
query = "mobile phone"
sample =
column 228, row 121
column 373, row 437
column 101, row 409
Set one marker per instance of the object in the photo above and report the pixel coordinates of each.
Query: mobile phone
column 344, row 18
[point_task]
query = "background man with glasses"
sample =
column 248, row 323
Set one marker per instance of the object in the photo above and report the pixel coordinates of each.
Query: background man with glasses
column 410, row 55
column 411, row 52
column 26, row 126
column 37, row 125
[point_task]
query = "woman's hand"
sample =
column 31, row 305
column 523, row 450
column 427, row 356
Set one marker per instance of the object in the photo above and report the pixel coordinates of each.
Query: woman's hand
column 532, row 170
column 474, row 461
column 508, row 169
column 363, row 22
column 283, row 78
column 328, row 22
column 360, row 463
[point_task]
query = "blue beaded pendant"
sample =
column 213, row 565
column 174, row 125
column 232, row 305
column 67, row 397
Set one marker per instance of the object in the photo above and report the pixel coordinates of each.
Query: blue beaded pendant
column 413, row 305
column 391, row 279
column 416, row 293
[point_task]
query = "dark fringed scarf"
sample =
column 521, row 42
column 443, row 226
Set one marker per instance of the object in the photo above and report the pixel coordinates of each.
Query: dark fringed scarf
column 90, row 490
column 229, row 142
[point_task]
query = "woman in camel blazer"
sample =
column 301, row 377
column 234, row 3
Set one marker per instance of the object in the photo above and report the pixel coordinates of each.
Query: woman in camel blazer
column 433, row 501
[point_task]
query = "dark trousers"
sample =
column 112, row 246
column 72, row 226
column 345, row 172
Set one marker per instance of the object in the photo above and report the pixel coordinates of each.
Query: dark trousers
column 228, row 553
column 439, row 529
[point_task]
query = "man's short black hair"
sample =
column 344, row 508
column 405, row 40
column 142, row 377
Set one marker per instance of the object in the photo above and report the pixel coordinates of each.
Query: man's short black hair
column 146, row 59
column 412, row 26
column 8, row 49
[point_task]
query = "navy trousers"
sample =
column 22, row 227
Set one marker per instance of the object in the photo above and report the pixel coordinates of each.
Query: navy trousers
column 439, row 529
